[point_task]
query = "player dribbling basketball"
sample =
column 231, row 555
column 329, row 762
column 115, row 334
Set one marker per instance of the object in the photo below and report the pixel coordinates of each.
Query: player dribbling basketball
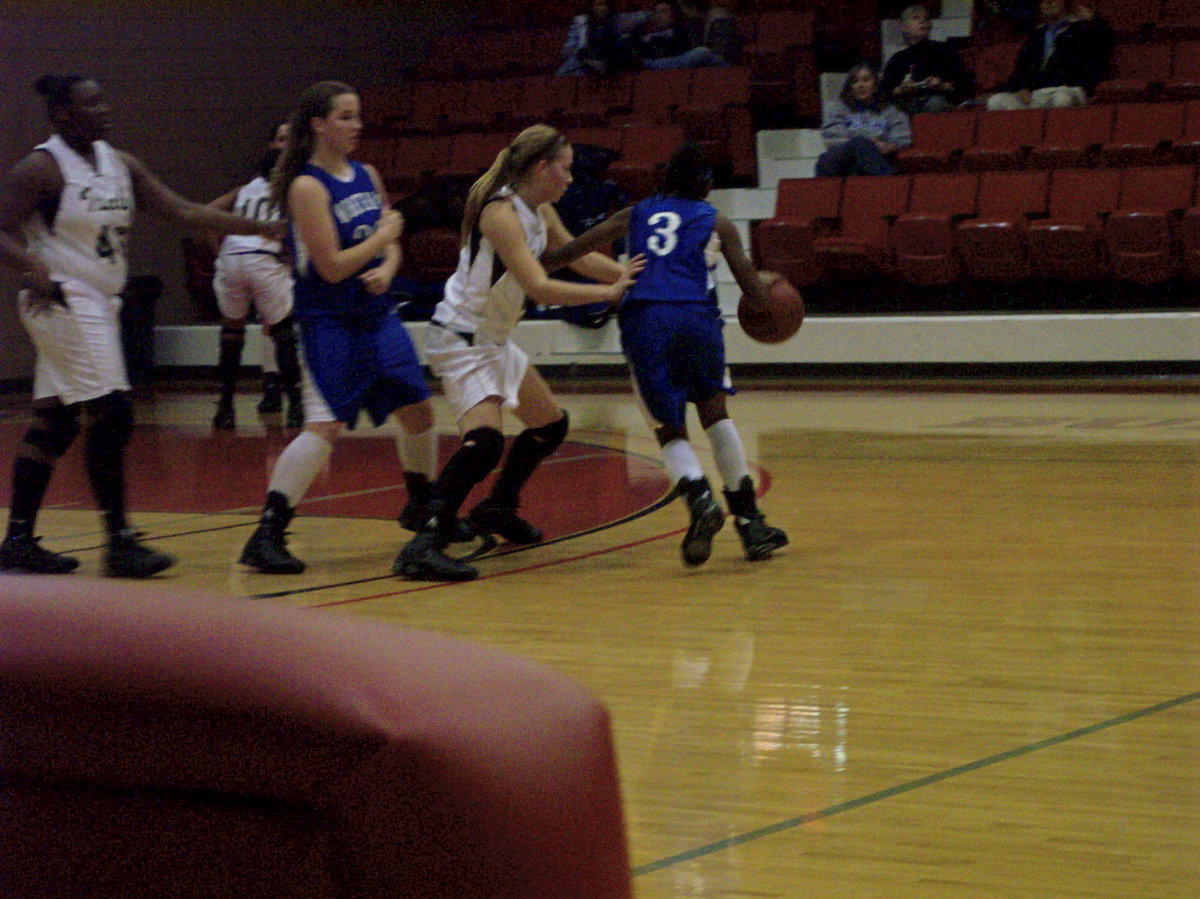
column 671, row 336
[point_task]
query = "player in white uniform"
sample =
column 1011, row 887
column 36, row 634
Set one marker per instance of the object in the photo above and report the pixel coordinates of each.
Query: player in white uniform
column 65, row 213
column 508, row 226
column 251, row 272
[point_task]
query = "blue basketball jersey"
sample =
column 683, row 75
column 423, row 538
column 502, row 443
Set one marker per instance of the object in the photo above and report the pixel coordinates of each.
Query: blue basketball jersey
column 356, row 207
column 673, row 233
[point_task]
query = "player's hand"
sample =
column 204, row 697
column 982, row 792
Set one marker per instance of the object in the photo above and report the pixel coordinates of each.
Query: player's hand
column 629, row 273
column 276, row 230
column 375, row 282
column 41, row 291
column 391, row 225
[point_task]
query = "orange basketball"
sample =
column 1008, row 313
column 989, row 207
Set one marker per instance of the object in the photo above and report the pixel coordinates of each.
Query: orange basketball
column 780, row 318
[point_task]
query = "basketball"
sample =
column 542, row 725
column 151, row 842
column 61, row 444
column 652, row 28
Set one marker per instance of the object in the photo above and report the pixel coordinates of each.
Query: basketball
column 782, row 316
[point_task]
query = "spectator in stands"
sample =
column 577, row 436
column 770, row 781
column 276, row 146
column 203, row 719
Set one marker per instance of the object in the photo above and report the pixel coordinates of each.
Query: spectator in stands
column 598, row 41
column 926, row 75
column 862, row 130
column 666, row 41
column 721, row 33
column 1061, row 61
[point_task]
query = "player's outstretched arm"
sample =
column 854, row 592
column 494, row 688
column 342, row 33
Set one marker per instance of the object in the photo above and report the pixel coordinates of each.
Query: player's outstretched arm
column 739, row 264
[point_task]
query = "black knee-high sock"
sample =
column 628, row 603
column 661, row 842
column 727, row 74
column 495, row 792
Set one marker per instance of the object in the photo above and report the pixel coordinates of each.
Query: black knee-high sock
column 104, row 454
column 287, row 354
column 529, row 448
column 53, row 431
column 229, row 363
column 473, row 461
column 30, row 478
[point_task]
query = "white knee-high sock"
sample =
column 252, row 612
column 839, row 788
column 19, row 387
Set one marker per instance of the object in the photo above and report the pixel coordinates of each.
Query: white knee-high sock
column 418, row 452
column 299, row 464
column 681, row 461
column 729, row 453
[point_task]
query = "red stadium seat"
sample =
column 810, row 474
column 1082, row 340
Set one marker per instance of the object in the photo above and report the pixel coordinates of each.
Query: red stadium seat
column 416, row 158
column 994, row 245
column 1143, row 134
column 1187, row 148
column 938, row 139
column 862, row 247
column 992, row 63
column 923, row 237
column 1002, row 139
column 1128, row 18
column 1180, row 18
column 805, row 209
column 1139, row 70
column 472, row 153
column 1184, row 83
column 656, row 94
column 1141, row 232
column 609, row 138
column 541, row 98
column 1072, row 136
column 717, row 116
column 1069, row 243
column 431, row 254
column 644, row 148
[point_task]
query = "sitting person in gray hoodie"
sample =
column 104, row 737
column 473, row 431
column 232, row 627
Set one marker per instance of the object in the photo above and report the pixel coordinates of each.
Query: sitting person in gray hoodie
column 862, row 130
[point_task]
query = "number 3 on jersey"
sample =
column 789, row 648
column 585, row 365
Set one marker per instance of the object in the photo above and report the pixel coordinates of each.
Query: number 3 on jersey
column 664, row 239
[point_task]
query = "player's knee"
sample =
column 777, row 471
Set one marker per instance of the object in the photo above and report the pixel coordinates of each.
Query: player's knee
column 284, row 329
column 53, row 431
column 483, row 447
column 549, row 437
column 113, row 423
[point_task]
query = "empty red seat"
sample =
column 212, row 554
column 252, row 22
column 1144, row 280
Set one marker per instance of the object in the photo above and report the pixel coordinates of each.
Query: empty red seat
column 937, row 140
column 923, row 237
column 862, row 247
column 1072, row 136
column 1140, row 233
column 1068, row 244
column 992, row 63
column 717, row 116
column 541, row 98
column 414, row 159
column 1002, row 139
column 1143, row 133
column 1180, row 18
column 805, row 209
column 1139, row 70
column 1128, row 18
column 431, row 254
column 993, row 246
column 644, row 148
column 1187, row 147
column 1184, row 83
column 656, row 94
column 472, row 153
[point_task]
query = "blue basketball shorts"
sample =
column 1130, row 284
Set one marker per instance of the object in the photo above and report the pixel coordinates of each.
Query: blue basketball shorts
column 369, row 364
column 676, row 354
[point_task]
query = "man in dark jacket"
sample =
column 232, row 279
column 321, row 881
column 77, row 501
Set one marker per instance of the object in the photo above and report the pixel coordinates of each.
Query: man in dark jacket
column 926, row 75
column 1060, row 62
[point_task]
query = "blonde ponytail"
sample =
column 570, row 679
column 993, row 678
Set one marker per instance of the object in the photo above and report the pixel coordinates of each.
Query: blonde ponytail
column 535, row 143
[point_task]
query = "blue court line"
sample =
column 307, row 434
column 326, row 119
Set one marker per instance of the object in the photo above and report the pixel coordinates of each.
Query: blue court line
column 911, row 785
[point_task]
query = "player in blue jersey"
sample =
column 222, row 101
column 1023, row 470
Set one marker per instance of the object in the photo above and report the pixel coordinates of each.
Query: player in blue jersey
column 356, row 352
column 671, row 336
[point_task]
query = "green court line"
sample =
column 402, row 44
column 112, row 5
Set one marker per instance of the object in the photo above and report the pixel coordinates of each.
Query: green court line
column 911, row 785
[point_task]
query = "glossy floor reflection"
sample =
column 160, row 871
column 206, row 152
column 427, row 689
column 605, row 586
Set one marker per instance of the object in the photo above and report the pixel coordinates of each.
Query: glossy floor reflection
column 975, row 671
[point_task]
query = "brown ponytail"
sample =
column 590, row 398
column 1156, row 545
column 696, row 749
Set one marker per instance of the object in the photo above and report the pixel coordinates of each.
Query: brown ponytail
column 535, row 143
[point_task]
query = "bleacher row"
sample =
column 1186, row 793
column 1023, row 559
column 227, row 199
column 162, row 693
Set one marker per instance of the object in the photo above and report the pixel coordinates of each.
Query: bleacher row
column 1109, row 134
column 1138, row 224
column 457, row 127
column 778, row 53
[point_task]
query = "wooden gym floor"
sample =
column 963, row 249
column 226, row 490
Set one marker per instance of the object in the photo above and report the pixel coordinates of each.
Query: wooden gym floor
column 974, row 672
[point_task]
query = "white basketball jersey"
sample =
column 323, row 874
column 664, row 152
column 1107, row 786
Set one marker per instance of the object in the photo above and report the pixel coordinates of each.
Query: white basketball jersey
column 478, row 302
column 253, row 202
column 86, row 242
